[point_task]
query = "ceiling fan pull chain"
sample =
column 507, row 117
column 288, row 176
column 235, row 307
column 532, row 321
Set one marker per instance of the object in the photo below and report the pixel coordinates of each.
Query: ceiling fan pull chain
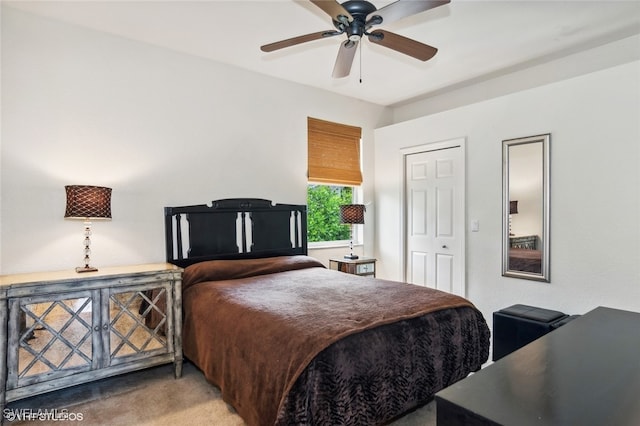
column 360, row 63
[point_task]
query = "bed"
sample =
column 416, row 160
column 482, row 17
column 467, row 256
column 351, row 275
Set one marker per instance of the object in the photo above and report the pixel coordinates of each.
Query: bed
column 525, row 260
column 289, row 341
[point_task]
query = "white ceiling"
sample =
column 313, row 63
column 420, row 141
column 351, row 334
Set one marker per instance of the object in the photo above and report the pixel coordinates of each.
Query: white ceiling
column 476, row 38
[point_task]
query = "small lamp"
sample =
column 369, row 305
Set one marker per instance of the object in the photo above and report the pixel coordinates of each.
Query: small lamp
column 87, row 203
column 513, row 209
column 352, row 214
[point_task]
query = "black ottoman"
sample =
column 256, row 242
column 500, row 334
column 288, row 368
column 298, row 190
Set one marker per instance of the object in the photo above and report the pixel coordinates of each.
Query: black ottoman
column 518, row 325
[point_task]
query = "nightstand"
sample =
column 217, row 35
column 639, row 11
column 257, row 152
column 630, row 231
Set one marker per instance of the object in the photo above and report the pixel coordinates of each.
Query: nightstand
column 63, row 328
column 364, row 266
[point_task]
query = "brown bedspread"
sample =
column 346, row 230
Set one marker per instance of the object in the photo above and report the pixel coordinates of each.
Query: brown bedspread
column 525, row 260
column 281, row 320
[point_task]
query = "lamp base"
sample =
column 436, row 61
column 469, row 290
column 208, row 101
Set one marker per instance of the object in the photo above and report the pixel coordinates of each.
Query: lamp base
column 351, row 256
column 86, row 268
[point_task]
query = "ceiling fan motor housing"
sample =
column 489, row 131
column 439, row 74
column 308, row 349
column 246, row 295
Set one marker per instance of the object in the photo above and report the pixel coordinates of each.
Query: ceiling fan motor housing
column 359, row 10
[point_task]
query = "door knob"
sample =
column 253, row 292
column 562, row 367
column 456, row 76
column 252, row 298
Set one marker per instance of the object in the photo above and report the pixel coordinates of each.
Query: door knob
column 445, row 246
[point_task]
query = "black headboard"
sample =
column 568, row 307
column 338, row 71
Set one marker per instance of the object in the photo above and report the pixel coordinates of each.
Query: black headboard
column 235, row 228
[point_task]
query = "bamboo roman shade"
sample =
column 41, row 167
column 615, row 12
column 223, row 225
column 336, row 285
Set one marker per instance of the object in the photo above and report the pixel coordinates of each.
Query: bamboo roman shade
column 333, row 152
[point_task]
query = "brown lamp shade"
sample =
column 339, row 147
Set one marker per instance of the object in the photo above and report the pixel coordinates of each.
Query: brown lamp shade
column 352, row 213
column 88, row 202
column 513, row 207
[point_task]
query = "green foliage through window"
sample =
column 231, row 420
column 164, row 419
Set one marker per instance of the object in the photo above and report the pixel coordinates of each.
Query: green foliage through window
column 323, row 212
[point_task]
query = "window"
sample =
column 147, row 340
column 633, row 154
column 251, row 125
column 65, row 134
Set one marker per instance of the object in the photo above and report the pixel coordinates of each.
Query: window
column 323, row 212
column 334, row 177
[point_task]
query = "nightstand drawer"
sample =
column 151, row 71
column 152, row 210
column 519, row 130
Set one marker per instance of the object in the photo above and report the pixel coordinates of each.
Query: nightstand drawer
column 366, row 268
column 361, row 266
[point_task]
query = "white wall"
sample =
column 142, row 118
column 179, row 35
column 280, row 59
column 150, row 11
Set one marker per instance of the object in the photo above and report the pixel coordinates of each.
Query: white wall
column 522, row 77
column 595, row 189
column 159, row 127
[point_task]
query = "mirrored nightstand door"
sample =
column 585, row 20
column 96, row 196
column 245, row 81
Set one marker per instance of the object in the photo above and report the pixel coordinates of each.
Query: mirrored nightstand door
column 55, row 337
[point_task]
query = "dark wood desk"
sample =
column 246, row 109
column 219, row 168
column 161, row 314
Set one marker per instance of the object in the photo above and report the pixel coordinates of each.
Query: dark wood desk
column 584, row 373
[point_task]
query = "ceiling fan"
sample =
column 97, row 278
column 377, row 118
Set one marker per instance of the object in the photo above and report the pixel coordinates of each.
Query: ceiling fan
column 355, row 18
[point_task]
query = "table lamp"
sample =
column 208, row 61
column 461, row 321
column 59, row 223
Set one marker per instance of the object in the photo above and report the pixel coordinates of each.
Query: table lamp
column 513, row 209
column 352, row 214
column 88, row 203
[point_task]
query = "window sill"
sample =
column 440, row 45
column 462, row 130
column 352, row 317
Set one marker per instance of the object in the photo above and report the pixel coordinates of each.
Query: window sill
column 332, row 244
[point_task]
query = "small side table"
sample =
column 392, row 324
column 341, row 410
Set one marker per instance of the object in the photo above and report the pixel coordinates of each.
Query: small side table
column 519, row 325
column 364, row 266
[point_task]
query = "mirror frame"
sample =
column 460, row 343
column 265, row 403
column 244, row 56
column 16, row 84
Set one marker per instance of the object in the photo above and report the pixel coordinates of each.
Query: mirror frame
column 544, row 275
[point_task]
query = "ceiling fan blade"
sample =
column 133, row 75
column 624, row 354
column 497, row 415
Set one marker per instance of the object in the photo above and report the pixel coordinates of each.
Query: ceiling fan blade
column 402, row 44
column 334, row 9
column 297, row 40
column 347, row 52
column 400, row 9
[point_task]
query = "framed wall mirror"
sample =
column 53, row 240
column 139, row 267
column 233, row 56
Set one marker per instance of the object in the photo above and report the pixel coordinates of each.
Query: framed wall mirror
column 525, row 209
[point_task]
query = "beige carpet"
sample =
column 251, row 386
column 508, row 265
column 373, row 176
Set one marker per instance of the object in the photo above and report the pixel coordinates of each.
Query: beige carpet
column 152, row 397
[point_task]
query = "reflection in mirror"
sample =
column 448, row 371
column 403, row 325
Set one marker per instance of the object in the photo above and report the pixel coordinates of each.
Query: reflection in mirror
column 525, row 180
